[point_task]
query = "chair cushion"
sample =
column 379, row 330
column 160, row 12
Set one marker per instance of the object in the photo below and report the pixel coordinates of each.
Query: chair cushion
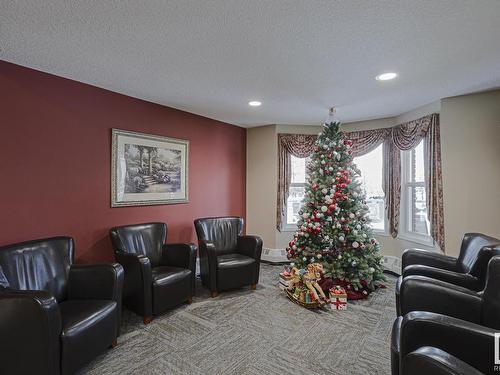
column 166, row 275
column 233, row 260
column 88, row 328
column 171, row 287
column 234, row 271
column 429, row 360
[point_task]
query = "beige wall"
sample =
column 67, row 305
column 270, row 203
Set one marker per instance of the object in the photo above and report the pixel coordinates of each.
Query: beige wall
column 262, row 181
column 262, row 151
column 470, row 138
column 470, row 146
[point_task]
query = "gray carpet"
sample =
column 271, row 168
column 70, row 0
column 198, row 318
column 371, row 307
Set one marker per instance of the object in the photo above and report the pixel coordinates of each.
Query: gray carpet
column 256, row 332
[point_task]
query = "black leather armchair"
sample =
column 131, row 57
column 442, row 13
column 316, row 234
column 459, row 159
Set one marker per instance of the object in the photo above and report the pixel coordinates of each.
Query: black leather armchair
column 433, row 344
column 55, row 316
column 228, row 260
column 422, row 294
column 158, row 276
column 468, row 270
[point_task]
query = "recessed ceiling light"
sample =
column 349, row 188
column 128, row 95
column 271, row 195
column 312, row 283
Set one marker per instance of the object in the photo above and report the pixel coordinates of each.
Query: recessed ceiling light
column 386, row 76
column 254, row 103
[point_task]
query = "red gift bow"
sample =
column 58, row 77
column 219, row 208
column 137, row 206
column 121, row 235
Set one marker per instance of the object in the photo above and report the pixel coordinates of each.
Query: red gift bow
column 338, row 303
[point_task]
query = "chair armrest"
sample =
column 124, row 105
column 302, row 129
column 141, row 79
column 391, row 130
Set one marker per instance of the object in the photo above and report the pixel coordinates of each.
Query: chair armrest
column 462, row 279
column 30, row 324
column 208, row 264
column 471, row 343
column 480, row 266
column 138, row 275
column 208, row 249
column 180, row 255
column 96, row 281
column 420, row 293
column 429, row 360
column 428, row 258
column 250, row 246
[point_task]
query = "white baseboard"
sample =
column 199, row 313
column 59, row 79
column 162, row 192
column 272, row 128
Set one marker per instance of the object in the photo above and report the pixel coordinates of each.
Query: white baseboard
column 390, row 263
column 274, row 255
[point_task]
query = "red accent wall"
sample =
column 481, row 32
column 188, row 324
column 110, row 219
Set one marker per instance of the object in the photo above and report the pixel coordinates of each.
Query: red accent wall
column 55, row 162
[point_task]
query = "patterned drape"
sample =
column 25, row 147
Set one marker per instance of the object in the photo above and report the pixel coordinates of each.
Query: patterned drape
column 395, row 139
column 434, row 181
column 391, row 184
column 405, row 137
column 300, row 146
column 365, row 141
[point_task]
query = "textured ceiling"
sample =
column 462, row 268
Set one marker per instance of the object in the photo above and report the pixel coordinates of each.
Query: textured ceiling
column 211, row 57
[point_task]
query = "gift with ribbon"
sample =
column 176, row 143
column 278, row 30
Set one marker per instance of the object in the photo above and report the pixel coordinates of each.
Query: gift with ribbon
column 338, row 298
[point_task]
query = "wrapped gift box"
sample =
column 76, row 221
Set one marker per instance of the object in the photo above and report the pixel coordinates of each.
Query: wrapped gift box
column 338, row 298
column 284, row 280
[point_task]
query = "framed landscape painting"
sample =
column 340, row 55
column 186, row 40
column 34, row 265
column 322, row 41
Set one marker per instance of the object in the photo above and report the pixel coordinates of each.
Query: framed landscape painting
column 148, row 169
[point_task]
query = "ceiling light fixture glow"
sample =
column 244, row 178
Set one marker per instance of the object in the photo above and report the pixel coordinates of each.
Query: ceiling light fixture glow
column 386, row 76
column 254, row 103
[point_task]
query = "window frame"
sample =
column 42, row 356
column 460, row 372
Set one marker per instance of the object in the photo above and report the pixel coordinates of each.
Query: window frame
column 286, row 227
column 291, row 227
column 380, row 232
column 404, row 232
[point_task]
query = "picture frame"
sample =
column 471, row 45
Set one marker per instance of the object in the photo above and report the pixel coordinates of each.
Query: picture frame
column 148, row 169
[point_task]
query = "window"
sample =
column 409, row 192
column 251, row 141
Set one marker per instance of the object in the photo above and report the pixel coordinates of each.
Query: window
column 296, row 191
column 371, row 168
column 414, row 223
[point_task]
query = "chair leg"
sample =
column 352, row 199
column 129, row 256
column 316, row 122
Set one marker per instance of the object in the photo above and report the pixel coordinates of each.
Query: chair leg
column 189, row 300
column 214, row 293
column 114, row 344
column 253, row 286
column 147, row 319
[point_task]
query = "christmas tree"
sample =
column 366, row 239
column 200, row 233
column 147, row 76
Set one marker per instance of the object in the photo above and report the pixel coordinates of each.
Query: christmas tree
column 334, row 227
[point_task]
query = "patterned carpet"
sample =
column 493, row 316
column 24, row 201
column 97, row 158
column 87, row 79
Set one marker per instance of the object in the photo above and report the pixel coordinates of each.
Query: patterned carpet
column 255, row 332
